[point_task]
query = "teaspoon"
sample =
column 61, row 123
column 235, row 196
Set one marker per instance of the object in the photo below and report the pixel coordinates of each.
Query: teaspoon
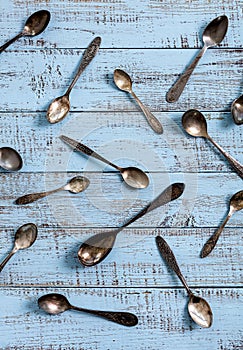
column 75, row 185
column 236, row 204
column 60, row 107
column 97, row 247
column 10, row 159
column 213, row 34
column 34, row 25
column 24, row 238
column 133, row 177
column 195, row 124
column 124, row 83
column 237, row 110
column 55, row 304
column 198, row 308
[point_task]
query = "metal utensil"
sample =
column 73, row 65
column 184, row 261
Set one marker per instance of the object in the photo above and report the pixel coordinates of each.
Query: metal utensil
column 236, row 204
column 34, row 25
column 97, row 247
column 133, row 177
column 75, row 185
column 195, row 124
column 24, row 238
column 213, row 34
column 237, row 110
column 10, row 159
column 198, row 308
column 57, row 303
column 124, row 83
column 60, row 106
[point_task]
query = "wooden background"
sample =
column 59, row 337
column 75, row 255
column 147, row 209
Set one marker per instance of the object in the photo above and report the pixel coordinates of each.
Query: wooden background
column 153, row 40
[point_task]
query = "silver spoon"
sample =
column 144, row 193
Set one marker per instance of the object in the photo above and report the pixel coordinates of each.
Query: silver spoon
column 10, row 159
column 195, row 124
column 198, row 308
column 213, row 34
column 60, row 107
column 133, row 177
column 236, row 204
column 237, row 110
column 34, row 25
column 24, row 238
column 97, row 247
column 124, row 83
column 76, row 185
column 55, row 304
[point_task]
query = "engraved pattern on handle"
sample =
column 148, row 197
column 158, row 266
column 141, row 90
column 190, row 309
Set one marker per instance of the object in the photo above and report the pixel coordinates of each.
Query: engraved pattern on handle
column 4, row 46
column 32, row 197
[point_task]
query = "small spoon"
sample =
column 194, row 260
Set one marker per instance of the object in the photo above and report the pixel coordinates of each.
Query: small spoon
column 236, row 204
column 24, row 238
column 10, row 159
column 198, row 308
column 75, row 185
column 213, row 34
column 55, row 304
column 60, row 107
column 34, row 25
column 237, row 110
column 124, row 83
column 97, row 247
column 195, row 124
column 133, row 177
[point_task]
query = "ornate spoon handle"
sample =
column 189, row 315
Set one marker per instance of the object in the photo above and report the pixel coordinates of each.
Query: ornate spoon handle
column 32, row 197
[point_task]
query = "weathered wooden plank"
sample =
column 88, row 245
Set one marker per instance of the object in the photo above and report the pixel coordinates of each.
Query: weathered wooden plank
column 163, row 320
column 137, row 23
column 135, row 260
column 28, row 86
column 122, row 137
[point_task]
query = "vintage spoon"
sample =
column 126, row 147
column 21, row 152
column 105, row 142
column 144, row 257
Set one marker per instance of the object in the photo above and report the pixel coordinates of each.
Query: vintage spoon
column 24, row 238
column 57, row 303
column 198, row 308
column 237, row 110
column 213, row 34
column 236, row 203
column 97, row 247
column 195, row 124
column 133, row 177
column 10, row 159
column 76, row 185
column 124, row 83
column 60, row 107
column 34, row 25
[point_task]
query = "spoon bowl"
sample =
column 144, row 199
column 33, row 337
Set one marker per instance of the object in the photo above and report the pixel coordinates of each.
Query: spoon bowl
column 10, row 159
column 58, row 109
column 237, row 110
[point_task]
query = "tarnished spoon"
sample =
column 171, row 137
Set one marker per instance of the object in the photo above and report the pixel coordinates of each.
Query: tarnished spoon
column 198, row 308
column 10, row 159
column 76, row 185
column 55, row 304
column 34, row 25
column 236, row 204
column 97, row 247
column 213, row 34
column 124, row 83
column 24, row 238
column 195, row 124
column 60, row 107
column 237, row 110
column 133, row 177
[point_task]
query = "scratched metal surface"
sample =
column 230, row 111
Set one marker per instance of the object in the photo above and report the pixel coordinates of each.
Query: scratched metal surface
column 153, row 41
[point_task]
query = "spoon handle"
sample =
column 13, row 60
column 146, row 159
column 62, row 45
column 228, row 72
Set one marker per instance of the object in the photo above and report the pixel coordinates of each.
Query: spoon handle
column 4, row 46
column 32, row 197
column 88, row 56
column 124, row 318
column 169, row 257
column 86, row 150
column 235, row 164
column 8, row 257
column 152, row 120
column 176, row 90
column 211, row 242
